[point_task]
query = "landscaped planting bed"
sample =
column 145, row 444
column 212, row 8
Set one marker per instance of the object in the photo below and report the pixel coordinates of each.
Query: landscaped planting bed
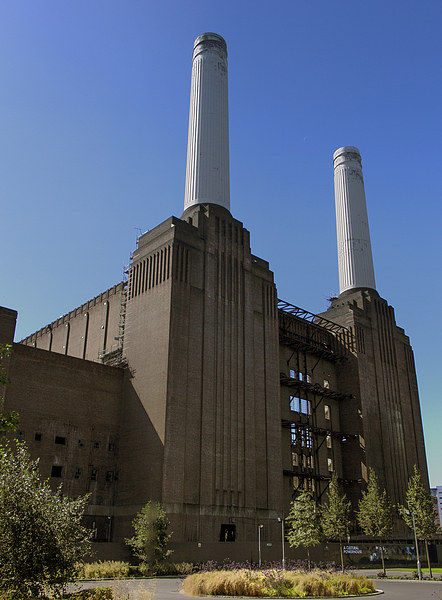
column 276, row 583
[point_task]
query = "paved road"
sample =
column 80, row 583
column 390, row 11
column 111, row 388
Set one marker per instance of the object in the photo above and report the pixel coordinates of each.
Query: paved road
column 169, row 589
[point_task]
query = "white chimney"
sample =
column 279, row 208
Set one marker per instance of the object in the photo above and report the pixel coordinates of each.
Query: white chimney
column 354, row 248
column 207, row 173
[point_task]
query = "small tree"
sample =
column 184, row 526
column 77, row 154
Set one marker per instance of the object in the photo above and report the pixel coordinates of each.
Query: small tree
column 420, row 504
column 335, row 516
column 375, row 514
column 41, row 536
column 304, row 523
column 8, row 420
column 151, row 538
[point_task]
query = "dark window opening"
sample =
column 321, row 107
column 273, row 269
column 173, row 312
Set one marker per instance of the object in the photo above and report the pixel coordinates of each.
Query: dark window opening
column 112, row 447
column 37, row 437
column 96, row 445
column 60, row 440
column 80, row 443
column 227, row 533
column 56, row 471
column 94, row 474
column 109, row 476
column 77, row 474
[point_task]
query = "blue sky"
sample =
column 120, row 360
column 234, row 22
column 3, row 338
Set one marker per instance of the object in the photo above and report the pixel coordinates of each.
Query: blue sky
column 93, row 132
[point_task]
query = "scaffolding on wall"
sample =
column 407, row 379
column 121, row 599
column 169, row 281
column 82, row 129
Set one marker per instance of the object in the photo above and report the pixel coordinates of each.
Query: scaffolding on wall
column 113, row 356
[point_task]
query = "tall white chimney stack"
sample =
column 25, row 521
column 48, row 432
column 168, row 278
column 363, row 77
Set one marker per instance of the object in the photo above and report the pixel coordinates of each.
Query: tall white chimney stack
column 354, row 248
column 207, row 173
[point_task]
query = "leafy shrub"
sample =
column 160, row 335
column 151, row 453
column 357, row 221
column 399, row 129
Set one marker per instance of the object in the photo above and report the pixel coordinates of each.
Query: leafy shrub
column 109, row 569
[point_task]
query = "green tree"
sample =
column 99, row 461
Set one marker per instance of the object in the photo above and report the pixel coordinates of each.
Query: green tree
column 8, row 420
column 419, row 503
column 151, row 538
column 41, row 536
column 304, row 523
column 335, row 516
column 375, row 514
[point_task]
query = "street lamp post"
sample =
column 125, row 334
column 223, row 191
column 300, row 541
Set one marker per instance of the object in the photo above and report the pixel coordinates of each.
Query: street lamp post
column 259, row 544
column 281, row 520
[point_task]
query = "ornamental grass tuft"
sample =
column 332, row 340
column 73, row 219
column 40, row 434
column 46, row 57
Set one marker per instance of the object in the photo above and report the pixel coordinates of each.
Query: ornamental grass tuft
column 276, row 583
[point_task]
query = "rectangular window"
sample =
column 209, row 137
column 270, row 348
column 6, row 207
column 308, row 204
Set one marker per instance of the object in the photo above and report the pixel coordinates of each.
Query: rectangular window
column 326, row 384
column 294, row 403
column 56, row 471
column 109, row 476
column 309, row 379
column 309, row 462
column 295, row 460
column 37, row 437
column 328, row 441
column 327, row 412
column 94, row 474
column 77, row 474
column 308, row 438
column 293, row 434
column 60, row 440
column 80, row 443
column 292, row 374
column 96, row 445
column 306, row 407
column 295, row 482
column 330, row 464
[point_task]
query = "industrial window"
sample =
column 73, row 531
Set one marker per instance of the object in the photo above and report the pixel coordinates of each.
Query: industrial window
column 328, row 441
column 330, row 464
column 295, row 482
column 80, row 443
column 294, row 403
column 227, row 533
column 292, row 374
column 60, row 440
column 309, row 379
column 306, row 407
column 96, row 445
column 309, row 462
column 308, row 438
column 37, row 437
column 326, row 384
column 94, row 474
column 109, row 476
column 293, row 433
column 77, row 474
column 300, row 376
column 56, row 471
column 295, row 460
column 309, row 484
column 327, row 412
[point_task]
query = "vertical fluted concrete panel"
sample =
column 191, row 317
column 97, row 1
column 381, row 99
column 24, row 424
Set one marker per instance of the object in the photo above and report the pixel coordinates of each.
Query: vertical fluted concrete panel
column 354, row 248
column 207, row 173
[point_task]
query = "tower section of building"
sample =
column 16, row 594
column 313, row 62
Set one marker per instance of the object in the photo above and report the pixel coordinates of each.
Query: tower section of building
column 383, row 375
column 202, row 339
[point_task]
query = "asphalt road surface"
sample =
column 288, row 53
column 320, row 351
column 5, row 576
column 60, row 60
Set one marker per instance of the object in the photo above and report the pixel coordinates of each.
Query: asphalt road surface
column 169, row 589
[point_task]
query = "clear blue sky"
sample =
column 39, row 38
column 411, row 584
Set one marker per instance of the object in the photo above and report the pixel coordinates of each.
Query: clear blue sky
column 94, row 101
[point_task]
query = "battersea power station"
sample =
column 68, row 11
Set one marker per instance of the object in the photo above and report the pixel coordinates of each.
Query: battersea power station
column 190, row 383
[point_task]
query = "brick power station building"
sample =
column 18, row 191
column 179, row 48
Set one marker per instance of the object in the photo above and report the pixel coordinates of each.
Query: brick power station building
column 193, row 385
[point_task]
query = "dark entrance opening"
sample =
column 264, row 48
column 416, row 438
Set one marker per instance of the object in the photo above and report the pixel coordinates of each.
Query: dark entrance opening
column 227, row 533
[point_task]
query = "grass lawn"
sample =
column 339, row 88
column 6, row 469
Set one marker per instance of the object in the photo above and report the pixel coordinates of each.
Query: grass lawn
column 410, row 569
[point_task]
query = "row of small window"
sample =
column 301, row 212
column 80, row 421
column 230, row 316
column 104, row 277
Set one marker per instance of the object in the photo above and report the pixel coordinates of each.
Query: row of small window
column 307, row 461
column 81, row 443
column 299, row 375
column 306, row 377
column 301, row 436
column 57, row 471
column 303, row 483
column 303, row 406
